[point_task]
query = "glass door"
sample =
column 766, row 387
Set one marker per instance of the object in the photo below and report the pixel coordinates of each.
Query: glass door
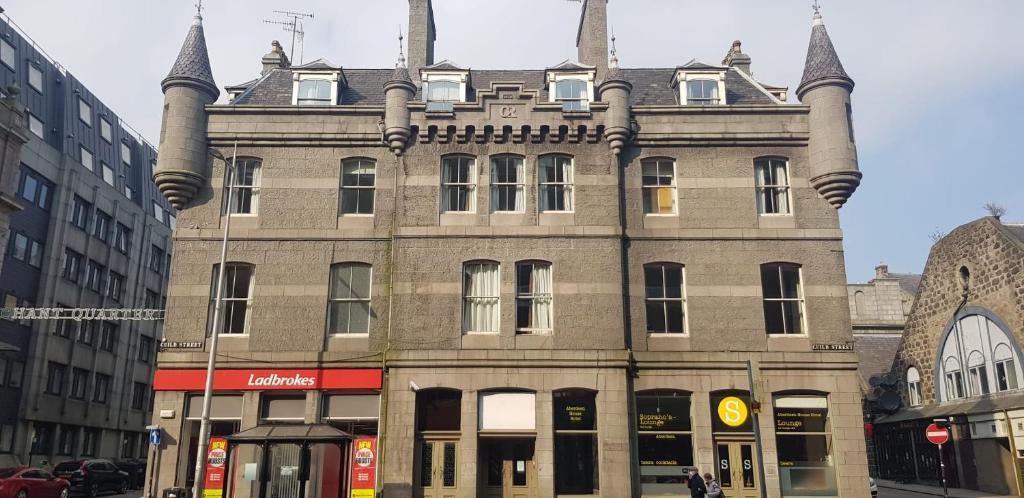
column 436, row 464
column 737, row 469
column 283, row 463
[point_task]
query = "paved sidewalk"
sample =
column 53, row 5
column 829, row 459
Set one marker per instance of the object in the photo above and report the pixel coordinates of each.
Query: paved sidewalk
column 923, row 491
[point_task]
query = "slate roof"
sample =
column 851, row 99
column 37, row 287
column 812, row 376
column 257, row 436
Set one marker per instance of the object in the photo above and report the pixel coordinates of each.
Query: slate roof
column 909, row 282
column 571, row 65
column 193, row 62
column 1014, row 230
column 445, row 65
column 320, row 63
column 875, row 352
column 651, row 86
column 822, row 62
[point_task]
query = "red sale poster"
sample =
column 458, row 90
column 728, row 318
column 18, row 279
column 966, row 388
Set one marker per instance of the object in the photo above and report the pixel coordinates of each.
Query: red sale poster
column 213, row 486
column 364, row 467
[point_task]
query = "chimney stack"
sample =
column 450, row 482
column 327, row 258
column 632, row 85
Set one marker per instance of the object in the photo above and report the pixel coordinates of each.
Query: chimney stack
column 592, row 36
column 421, row 36
column 276, row 59
column 882, row 271
column 737, row 59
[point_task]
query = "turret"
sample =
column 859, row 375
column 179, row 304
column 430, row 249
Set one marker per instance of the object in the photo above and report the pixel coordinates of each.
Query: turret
column 182, row 164
column 397, row 92
column 826, row 88
column 615, row 91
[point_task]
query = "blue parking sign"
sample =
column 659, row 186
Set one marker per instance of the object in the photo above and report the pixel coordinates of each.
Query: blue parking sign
column 154, row 436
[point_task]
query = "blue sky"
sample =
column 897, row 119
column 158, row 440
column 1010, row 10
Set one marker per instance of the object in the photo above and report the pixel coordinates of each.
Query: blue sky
column 936, row 108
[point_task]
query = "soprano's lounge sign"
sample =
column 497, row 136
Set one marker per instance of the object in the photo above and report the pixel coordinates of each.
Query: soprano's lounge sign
column 268, row 380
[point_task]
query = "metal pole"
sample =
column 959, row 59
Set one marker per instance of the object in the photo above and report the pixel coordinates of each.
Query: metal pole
column 757, row 431
column 204, row 424
column 294, row 26
column 942, row 470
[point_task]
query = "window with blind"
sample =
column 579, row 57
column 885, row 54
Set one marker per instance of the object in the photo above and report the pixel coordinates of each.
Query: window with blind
column 481, row 295
column 533, row 297
column 659, row 186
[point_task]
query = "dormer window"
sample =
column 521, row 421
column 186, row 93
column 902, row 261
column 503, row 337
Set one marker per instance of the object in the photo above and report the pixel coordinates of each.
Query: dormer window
column 702, row 92
column 573, row 95
column 314, row 92
column 572, row 85
column 444, row 85
column 700, row 84
column 316, row 83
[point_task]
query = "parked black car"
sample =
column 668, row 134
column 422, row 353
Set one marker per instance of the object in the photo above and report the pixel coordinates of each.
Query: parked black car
column 136, row 470
column 92, row 477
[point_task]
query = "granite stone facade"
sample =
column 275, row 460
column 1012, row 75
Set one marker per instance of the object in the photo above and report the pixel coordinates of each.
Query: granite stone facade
column 599, row 340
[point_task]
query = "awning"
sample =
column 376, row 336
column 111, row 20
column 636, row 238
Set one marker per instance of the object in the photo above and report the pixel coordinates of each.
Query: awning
column 290, row 433
column 987, row 404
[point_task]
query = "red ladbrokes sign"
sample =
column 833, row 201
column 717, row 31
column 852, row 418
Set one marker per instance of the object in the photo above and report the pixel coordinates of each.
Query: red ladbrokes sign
column 267, row 380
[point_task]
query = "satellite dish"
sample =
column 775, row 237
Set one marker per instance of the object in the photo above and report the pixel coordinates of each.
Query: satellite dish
column 876, row 393
column 890, row 401
column 890, row 379
column 875, row 380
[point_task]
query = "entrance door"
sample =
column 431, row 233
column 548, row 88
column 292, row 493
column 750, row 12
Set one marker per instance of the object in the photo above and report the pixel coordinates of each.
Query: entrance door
column 737, row 469
column 436, row 464
column 284, row 471
column 507, row 469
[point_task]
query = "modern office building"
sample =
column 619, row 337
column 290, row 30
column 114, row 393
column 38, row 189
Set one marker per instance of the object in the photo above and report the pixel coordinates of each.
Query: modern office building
column 448, row 281
column 960, row 360
column 92, row 232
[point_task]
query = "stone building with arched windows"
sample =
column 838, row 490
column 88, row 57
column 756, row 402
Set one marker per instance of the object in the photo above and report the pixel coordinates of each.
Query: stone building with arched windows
column 960, row 360
column 537, row 283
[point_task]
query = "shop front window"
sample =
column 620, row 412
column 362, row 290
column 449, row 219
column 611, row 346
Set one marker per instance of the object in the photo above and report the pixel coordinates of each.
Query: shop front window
column 804, row 440
column 665, row 441
column 575, row 422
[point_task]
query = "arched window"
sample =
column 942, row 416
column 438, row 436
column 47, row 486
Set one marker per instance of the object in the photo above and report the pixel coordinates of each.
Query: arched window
column 977, row 356
column 349, row 307
column 534, row 295
column 860, row 303
column 236, row 297
column 481, row 297
column 783, row 298
column 914, row 386
column 437, row 411
column 664, row 439
column 242, row 185
column 665, row 298
column 771, row 175
column 803, row 438
column 555, row 183
column 358, row 178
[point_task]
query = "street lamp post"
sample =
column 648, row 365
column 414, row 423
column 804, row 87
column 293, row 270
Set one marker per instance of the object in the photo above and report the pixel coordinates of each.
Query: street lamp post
column 204, row 424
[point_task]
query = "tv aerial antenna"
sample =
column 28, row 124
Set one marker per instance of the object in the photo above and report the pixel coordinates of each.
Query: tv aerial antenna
column 293, row 25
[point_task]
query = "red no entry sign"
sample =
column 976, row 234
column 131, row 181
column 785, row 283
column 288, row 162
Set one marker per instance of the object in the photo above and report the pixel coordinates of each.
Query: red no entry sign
column 936, row 434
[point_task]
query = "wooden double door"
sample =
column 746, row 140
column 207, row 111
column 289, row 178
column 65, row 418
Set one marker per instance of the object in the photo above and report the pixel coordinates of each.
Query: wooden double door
column 437, row 468
column 738, row 468
column 506, row 468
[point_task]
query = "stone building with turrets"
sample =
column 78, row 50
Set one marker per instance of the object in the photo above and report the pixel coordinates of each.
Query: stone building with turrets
column 451, row 281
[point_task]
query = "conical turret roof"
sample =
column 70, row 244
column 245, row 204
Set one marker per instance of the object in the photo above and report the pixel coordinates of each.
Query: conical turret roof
column 193, row 63
column 822, row 62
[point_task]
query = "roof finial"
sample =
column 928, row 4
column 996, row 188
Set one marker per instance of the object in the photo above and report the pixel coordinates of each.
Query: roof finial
column 198, row 19
column 817, row 13
column 401, row 51
column 614, row 60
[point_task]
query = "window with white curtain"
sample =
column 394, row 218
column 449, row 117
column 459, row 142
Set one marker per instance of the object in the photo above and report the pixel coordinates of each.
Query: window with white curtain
column 357, row 183
column 914, row 386
column 533, row 297
column 481, row 297
column 978, row 374
column 1006, row 371
column 507, row 185
column 772, row 177
column 349, row 311
column 245, row 186
column 314, row 92
column 954, row 379
column 442, row 95
column 572, row 94
column 458, row 188
column 555, row 181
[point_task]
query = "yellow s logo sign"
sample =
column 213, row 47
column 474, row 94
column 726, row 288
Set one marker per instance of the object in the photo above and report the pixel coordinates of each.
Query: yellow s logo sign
column 732, row 411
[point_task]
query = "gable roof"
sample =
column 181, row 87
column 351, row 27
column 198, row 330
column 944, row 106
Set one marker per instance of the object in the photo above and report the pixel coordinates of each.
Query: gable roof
column 320, row 63
column 571, row 65
column 696, row 64
column 445, row 65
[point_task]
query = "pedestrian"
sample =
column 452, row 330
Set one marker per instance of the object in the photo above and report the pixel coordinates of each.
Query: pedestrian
column 714, row 489
column 697, row 488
